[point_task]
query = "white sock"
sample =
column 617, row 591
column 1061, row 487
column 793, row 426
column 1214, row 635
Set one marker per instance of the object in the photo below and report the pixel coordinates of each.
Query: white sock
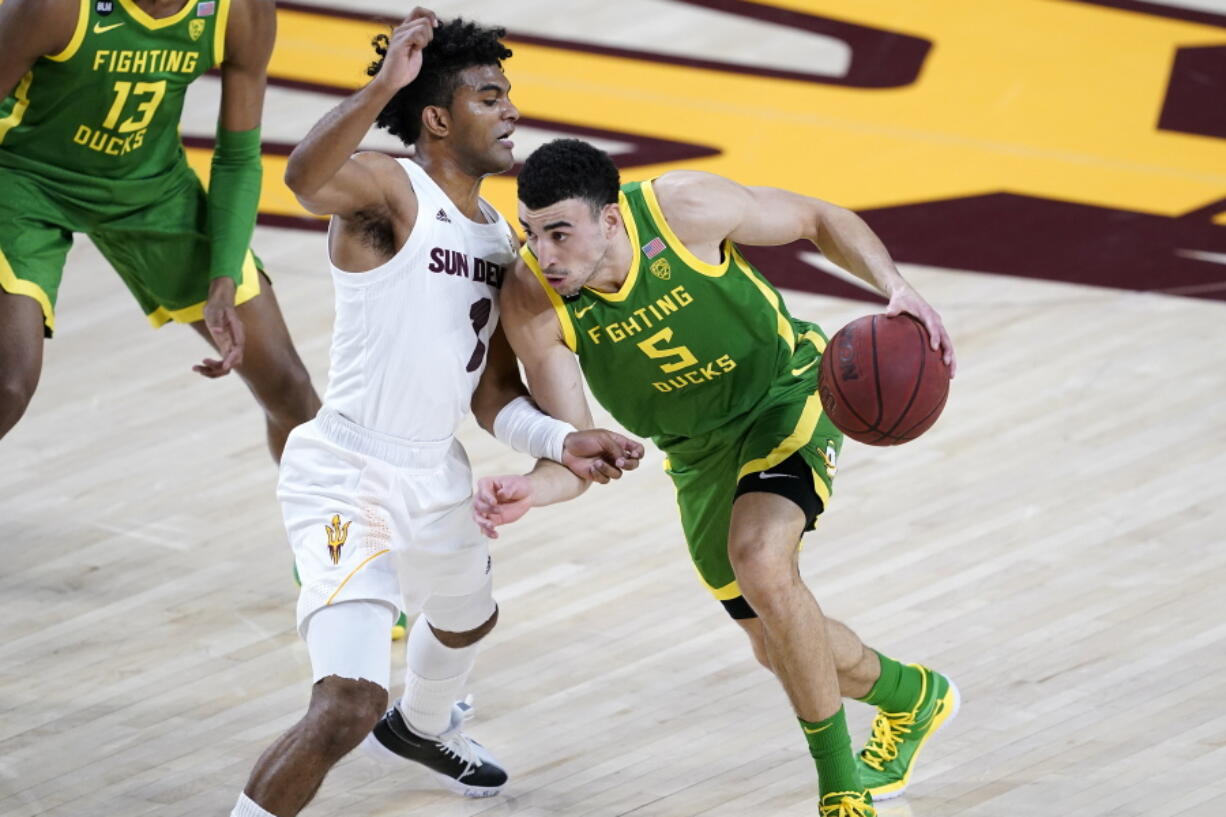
column 433, row 679
column 248, row 808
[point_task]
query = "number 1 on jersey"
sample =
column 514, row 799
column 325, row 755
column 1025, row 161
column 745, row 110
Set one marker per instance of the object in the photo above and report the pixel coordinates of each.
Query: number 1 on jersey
column 479, row 314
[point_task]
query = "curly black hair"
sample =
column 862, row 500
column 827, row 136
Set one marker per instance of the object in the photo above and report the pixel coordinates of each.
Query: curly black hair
column 568, row 169
column 457, row 44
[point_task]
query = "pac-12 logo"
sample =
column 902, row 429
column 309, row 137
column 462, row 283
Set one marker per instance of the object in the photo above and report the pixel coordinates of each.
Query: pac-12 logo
column 104, row 7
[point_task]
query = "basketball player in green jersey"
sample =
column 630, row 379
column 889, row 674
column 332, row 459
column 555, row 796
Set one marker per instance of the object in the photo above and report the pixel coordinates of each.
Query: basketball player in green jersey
column 89, row 143
column 681, row 339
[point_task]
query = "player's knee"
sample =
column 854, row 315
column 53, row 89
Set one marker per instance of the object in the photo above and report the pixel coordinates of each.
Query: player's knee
column 467, row 638
column 16, row 389
column 343, row 711
column 757, row 565
column 288, row 395
column 767, row 585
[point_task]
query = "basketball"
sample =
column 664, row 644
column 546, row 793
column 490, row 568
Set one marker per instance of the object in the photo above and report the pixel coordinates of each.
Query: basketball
column 881, row 382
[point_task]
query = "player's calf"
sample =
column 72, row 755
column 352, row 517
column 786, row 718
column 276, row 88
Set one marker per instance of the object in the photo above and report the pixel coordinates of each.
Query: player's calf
column 341, row 714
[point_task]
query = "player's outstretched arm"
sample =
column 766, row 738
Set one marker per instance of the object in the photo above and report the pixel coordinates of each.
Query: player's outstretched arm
column 504, row 408
column 30, row 29
column 322, row 171
column 556, row 383
column 705, row 209
column 236, row 172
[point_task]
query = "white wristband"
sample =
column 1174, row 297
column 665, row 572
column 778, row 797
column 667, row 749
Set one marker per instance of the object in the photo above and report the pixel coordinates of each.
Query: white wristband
column 529, row 430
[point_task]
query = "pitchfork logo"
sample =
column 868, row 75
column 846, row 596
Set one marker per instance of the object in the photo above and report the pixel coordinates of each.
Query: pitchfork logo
column 336, row 537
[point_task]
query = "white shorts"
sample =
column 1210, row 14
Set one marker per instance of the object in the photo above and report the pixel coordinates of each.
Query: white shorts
column 373, row 517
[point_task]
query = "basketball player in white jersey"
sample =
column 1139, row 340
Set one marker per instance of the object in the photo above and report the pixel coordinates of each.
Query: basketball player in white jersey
column 376, row 491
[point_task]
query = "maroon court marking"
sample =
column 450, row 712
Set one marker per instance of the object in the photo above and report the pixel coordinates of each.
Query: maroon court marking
column 1001, row 232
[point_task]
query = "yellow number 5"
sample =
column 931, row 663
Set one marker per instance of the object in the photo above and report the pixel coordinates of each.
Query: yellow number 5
column 651, row 347
column 146, row 109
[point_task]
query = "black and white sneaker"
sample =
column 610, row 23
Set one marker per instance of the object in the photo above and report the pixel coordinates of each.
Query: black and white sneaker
column 459, row 762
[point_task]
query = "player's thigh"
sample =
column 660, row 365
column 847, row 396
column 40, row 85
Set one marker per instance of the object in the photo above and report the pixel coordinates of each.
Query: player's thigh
column 332, row 503
column 706, row 488
column 35, row 236
column 161, row 251
column 446, row 568
column 349, row 640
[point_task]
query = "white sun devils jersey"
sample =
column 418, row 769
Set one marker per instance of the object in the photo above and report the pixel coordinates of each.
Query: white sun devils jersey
column 411, row 336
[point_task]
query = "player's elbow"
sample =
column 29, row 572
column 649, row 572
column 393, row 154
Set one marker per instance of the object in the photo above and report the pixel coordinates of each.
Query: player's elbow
column 296, row 177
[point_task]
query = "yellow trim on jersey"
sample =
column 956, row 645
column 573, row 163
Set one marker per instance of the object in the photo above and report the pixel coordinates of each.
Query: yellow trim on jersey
column 782, row 323
column 10, row 283
column 345, row 580
column 728, row 592
column 800, row 435
column 219, row 33
column 248, row 289
column 657, row 215
column 78, row 35
column 568, row 328
column 632, row 276
column 816, row 339
column 141, row 16
column 22, row 94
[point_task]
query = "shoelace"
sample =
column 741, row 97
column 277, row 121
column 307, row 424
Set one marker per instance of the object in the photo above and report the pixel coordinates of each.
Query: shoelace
column 459, row 745
column 889, row 729
column 846, row 804
column 455, row 743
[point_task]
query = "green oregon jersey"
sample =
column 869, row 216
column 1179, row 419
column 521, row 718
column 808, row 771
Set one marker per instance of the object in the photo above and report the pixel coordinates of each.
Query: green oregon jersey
column 108, row 105
column 684, row 346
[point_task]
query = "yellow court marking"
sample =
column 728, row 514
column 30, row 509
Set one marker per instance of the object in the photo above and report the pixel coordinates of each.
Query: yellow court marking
column 1055, row 100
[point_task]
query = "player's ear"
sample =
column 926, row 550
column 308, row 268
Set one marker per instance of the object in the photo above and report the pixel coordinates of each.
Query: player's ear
column 436, row 121
column 610, row 219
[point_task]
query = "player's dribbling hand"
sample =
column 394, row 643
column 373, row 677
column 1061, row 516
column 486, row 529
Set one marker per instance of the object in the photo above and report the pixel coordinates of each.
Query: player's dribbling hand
column 225, row 327
column 599, row 455
column 403, row 61
column 908, row 300
column 500, row 501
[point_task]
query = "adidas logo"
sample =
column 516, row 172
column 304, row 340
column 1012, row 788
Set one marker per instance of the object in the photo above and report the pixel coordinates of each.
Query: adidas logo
column 442, row 216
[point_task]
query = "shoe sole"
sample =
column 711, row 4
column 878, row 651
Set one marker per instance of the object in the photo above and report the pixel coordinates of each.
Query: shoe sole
column 375, row 750
column 884, row 793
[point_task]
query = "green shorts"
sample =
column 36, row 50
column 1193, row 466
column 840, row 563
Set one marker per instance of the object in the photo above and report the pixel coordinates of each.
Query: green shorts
column 706, row 470
column 157, row 242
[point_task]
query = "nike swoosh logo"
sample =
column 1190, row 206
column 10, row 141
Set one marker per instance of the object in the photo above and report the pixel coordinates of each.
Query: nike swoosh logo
column 804, row 369
column 820, row 729
column 579, row 313
column 764, row 475
column 99, row 28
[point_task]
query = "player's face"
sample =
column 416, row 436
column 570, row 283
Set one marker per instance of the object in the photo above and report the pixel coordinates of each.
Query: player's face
column 483, row 118
column 569, row 241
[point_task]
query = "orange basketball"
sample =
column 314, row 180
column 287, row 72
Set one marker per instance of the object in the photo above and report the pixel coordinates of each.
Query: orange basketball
column 881, row 382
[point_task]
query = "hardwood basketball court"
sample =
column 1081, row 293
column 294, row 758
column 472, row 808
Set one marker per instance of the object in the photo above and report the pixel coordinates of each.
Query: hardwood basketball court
column 1054, row 543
